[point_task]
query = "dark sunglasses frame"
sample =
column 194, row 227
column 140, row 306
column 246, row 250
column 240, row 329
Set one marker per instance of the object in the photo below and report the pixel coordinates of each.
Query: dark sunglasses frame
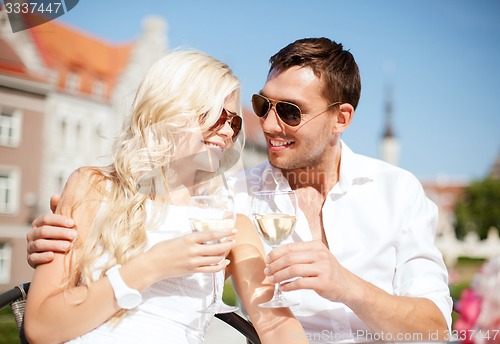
column 235, row 121
column 289, row 113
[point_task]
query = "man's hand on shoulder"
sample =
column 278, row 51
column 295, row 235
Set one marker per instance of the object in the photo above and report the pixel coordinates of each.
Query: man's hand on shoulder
column 49, row 233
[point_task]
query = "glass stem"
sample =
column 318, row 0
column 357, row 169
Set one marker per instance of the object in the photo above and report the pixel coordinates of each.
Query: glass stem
column 214, row 279
column 277, row 292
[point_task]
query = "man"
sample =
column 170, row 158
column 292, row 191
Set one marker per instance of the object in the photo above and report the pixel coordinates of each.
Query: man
column 362, row 261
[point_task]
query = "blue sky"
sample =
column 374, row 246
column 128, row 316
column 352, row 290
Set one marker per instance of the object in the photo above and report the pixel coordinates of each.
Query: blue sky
column 442, row 58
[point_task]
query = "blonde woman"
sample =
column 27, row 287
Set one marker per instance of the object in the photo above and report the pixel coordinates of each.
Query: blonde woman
column 133, row 228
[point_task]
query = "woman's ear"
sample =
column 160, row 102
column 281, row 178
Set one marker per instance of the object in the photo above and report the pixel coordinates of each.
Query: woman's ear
column 344, row 118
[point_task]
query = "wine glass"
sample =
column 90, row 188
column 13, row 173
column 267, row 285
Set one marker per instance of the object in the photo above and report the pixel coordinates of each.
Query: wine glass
column 213, row 213
column 274, row 215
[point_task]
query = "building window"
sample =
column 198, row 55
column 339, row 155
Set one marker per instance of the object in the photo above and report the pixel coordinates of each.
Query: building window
column 72, row 82
column 78, row 136
column 98, row 89
column 10, row 127
column 63, row 127
column 8, row 191
column 5, row 262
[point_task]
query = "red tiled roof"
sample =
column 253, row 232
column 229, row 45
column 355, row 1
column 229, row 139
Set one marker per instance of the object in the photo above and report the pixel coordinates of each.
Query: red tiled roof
column 9, row 60
column 67, row 50
column 12, row 65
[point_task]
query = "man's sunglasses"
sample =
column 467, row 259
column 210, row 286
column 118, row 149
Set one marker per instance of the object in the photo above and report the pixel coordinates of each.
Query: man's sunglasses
column 288, row 112
column 234, row 120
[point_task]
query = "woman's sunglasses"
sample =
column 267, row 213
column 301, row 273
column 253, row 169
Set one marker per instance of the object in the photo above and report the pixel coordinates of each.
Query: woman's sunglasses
column 234, row 120
column 288, row 112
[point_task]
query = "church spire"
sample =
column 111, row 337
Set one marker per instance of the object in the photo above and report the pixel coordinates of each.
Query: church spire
column 389, row 146
column 388, row 131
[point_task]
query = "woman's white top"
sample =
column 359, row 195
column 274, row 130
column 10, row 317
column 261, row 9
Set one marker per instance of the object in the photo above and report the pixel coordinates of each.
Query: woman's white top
column 170, row 312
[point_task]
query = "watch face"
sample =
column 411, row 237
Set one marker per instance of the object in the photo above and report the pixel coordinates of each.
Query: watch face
column 130, row 301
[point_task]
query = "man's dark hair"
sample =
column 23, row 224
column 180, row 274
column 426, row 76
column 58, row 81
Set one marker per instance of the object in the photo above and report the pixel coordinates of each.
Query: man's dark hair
column 329, row 61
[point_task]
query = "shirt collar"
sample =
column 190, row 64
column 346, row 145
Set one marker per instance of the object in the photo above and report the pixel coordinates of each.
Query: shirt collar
column 345, row 171
column 351, row 173
column 273, row 179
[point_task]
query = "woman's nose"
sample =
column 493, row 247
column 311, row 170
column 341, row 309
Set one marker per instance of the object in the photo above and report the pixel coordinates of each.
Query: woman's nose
column 226, row 130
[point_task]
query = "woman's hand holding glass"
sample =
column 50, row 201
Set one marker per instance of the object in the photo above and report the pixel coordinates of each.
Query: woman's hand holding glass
column 213, row 214
column 188, row 253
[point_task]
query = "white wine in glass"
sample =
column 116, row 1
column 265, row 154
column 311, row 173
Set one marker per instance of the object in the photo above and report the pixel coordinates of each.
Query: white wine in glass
column 199, row 225
column 213, row 213
column 274, row 228
column 274, row 214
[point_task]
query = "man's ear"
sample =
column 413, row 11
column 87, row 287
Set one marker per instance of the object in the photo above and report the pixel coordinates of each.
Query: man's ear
column 344, row 118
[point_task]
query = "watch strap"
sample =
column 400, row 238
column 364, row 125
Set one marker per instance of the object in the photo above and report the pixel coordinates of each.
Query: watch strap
column 125, row 296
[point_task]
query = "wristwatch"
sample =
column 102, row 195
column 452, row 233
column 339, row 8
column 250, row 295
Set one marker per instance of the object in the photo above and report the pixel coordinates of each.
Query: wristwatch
column 126, row 297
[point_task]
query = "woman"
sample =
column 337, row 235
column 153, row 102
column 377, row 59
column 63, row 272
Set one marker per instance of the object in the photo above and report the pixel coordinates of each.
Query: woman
column 133, row 233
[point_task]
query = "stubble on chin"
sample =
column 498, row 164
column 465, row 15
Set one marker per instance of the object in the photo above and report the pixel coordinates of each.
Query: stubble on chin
column 284, row 164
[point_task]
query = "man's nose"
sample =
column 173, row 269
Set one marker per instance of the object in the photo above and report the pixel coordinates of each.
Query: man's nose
column 271, row 122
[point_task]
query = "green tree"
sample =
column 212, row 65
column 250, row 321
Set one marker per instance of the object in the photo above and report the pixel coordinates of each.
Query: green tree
column 479, row 208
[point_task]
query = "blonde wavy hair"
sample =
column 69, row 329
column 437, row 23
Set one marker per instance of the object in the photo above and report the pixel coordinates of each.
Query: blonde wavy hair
column 183, row 92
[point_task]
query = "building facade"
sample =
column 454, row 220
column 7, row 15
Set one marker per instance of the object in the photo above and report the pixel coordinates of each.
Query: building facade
column 63, row 94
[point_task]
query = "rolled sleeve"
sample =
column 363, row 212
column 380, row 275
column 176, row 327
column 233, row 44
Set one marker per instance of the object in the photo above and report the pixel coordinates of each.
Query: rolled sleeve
column 420, row 269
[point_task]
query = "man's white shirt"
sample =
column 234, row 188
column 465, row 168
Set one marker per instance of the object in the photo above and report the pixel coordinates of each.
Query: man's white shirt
column 379, row 225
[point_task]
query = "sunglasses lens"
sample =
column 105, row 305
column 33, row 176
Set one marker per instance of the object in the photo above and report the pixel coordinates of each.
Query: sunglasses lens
column 289, row 113
column 220, row 122
column 236, row 123
column 260, row 105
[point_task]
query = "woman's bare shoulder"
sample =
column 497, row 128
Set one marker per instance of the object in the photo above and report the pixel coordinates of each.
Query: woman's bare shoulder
column 84, row 186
